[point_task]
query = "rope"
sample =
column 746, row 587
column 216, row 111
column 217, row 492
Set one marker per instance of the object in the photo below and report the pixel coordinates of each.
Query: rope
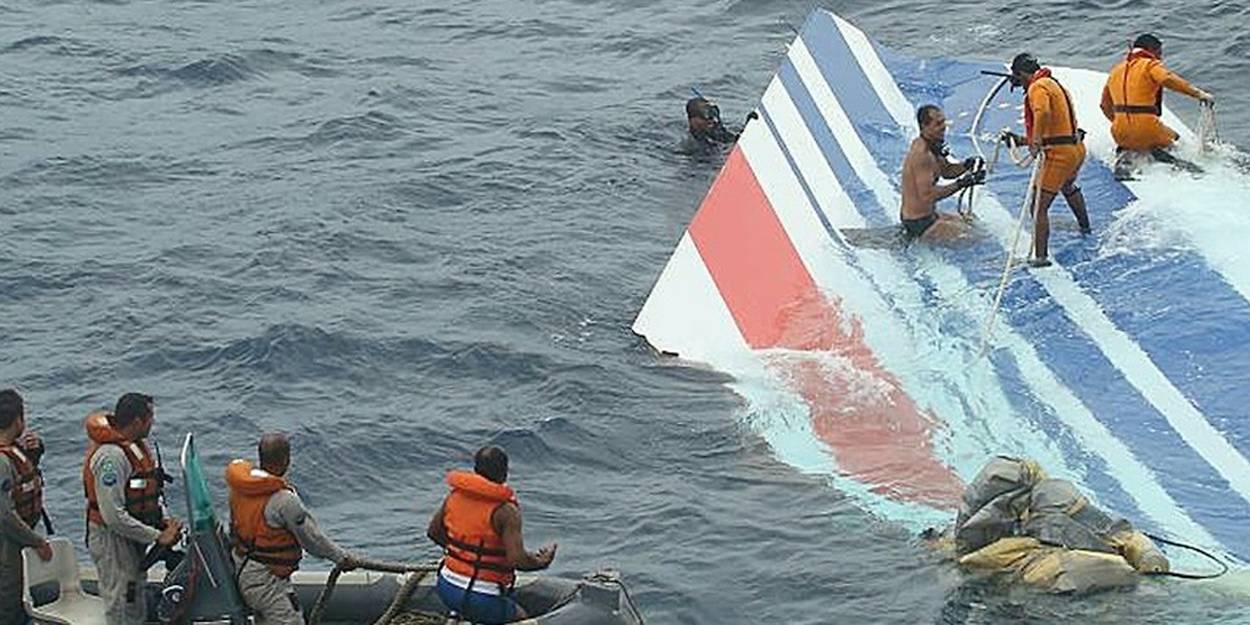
column 1198, row 550
column 602, row 578
column 1208, row 132
column 419, row 572
column 401, row 597
column 1030, row 200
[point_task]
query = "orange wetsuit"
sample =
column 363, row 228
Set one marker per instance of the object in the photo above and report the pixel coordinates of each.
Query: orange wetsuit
column 1048, row 114
column 1133, row 101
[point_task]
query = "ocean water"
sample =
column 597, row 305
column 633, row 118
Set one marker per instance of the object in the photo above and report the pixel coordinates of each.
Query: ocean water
column 400, row 231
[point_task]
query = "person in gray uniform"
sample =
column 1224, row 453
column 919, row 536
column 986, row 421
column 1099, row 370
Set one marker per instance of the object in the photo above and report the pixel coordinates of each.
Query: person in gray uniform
column 125, row 516
column 270, row 529
column 21, row 503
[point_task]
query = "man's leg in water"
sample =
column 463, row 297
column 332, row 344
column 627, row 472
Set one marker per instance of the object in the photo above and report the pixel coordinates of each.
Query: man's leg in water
column 1041, row 229
column 1076, row 201
column 946, row 228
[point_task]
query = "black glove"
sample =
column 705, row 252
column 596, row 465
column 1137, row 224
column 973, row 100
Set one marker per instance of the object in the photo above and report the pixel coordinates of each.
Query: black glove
column 970, row 179
column 1011, row 138
column 974, row 163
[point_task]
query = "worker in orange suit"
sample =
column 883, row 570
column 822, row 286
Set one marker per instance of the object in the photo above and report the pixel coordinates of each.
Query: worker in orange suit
column 1132, row 99
column 1050, row 129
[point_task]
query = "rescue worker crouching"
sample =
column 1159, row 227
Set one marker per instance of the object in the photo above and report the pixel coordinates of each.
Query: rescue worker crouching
column 1050, row 128
column 270, row 530
column 479, row 528
column 1132, row 99
column 124, row 486
column 21, row 503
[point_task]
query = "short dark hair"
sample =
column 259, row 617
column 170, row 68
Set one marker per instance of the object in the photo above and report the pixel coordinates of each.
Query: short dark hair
column 11, row 407
column 491, row 463
column 1024, row 63
column 925, row 113
column 1148, row 41
column 273, row 448
column 130, row 408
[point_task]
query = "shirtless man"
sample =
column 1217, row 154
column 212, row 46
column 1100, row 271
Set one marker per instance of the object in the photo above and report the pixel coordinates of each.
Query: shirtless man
column 924, row 164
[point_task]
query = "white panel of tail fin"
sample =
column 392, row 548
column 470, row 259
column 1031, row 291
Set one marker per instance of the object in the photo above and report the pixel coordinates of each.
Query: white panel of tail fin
column 882, row 81
column 685, row 314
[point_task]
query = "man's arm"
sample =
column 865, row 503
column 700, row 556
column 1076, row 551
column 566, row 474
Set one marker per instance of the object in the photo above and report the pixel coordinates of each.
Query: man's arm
column 112, row 471
column 436, row 531
column 12, row 528
column 1163, row 76
column 952, row 170
column 285, row 509
column 507, row 521
column 929, row 191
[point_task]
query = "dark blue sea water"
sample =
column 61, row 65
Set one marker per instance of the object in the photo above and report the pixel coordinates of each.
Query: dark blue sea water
column 402, row 230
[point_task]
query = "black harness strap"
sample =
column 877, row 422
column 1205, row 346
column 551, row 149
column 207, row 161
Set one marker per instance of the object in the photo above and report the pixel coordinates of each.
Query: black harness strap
column 1135, row 108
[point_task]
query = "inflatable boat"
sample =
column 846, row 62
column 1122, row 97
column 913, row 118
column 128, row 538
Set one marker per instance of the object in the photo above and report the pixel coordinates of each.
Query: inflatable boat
column 895, row 372
column 200, row 587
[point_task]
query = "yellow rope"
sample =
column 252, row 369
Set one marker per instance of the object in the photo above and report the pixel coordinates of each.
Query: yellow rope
column 417, row 573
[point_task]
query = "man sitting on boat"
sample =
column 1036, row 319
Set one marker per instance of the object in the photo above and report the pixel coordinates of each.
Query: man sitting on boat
column 925, row 163
column 1132, row 100
column 479, row 528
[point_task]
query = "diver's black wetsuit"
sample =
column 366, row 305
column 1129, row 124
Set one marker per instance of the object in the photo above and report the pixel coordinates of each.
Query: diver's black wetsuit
column 717, row 134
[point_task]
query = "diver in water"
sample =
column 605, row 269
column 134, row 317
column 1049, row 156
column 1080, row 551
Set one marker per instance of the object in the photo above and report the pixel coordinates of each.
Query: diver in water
column 1132, row 100
column 925, row 163
column 705, row 126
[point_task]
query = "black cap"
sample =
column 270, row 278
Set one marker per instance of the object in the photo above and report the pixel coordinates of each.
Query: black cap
column 1147, row 41
column 695, row 105
column 1024, row 63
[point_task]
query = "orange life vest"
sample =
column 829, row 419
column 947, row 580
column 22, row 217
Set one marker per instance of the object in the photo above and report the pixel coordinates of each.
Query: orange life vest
column 27, row 491
column 474, row 549
column 143, row 490
column 253, row 538
column 1066, row 133
column 1132, row 89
